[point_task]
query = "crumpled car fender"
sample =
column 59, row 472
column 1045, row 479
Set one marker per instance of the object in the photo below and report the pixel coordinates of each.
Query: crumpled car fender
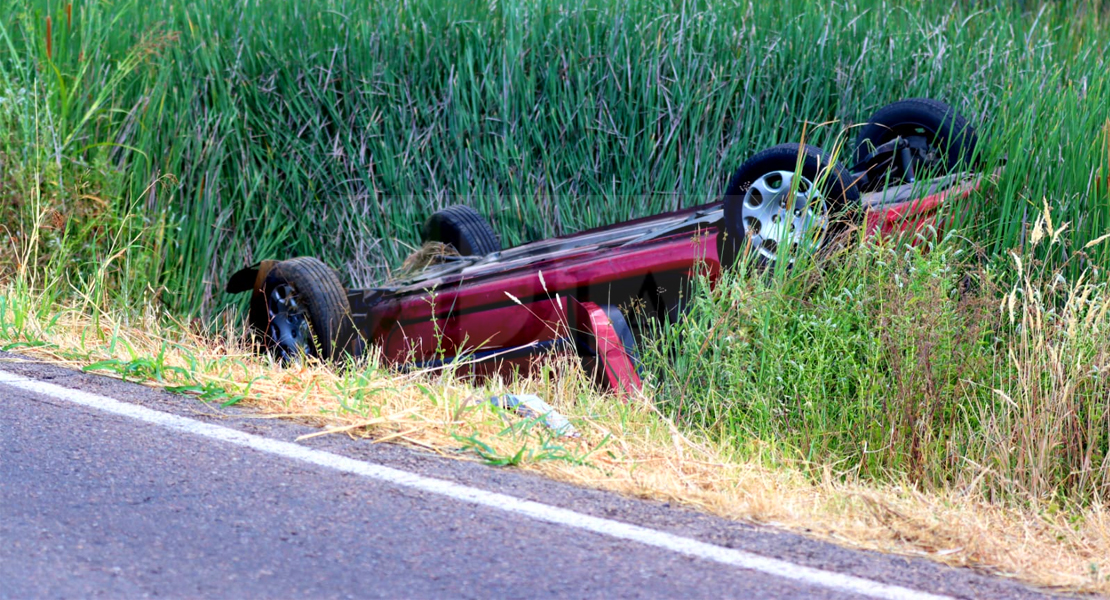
column 249, row 278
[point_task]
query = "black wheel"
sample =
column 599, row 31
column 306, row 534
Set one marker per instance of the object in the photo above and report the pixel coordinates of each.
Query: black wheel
column 939, row 140
column 302, row 308
column 463, row 228
column 787, row 194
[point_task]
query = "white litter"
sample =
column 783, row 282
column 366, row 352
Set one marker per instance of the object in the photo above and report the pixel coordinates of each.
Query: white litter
column 530, row 406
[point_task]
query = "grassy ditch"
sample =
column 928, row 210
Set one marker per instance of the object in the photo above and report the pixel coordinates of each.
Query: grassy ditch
column 675, row 448
column 217, row 135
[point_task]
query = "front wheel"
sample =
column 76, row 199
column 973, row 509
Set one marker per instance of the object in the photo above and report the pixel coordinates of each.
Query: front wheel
column 785, row 199
column 302, row 309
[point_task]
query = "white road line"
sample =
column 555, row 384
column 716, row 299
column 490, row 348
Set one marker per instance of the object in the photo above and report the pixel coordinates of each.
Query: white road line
column 533, row 510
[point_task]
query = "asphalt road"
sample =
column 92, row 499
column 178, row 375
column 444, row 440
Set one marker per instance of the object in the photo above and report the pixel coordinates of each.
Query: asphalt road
column 93, row 504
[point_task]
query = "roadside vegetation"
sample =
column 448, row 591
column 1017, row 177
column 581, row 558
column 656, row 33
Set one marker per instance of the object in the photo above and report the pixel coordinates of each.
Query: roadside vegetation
column 947, row 397
column 917, row 364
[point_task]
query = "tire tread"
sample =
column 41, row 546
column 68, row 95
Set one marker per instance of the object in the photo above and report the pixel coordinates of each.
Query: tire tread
column 474, row 232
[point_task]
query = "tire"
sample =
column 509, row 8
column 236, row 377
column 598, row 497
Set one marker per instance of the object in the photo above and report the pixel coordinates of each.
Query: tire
column 302, row 308
column 624, row 332
column 945, row 140
column 749, row 206
column 463, row 228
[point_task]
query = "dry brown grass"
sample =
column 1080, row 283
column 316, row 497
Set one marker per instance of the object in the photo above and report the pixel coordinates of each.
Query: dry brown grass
column 429, row 254
column 627, row 448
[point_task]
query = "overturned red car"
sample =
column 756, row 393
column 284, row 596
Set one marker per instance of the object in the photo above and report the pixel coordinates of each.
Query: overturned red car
column 492, row 308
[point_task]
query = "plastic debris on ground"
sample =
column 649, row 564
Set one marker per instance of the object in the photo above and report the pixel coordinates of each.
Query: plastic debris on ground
column 531, row 407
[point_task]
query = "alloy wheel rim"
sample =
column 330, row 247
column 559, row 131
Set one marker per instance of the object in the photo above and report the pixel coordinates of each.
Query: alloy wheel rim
column 288, row 324
column 783, row 208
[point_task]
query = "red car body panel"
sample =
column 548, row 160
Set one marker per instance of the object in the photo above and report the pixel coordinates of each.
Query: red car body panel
column 498, row 312
column 916, row 215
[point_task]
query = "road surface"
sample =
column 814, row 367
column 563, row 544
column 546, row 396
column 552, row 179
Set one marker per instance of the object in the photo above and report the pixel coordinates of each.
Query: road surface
column 163, row 496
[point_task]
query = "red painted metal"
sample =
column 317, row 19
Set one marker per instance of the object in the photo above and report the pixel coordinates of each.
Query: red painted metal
column 500, row 311
column 613, row 361
column 916, row 215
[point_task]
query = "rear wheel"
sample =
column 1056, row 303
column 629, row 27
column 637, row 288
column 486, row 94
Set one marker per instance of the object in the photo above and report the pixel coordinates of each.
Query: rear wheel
column 785, row 199
column 302, row 309
column 464, row 229
column 938, row 139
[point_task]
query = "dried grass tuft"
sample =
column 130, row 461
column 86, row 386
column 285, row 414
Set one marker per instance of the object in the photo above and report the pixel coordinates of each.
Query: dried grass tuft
column 431, row 253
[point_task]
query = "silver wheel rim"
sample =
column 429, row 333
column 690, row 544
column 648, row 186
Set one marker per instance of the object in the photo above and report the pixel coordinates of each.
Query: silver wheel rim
column 288, row 324
column 776, row 212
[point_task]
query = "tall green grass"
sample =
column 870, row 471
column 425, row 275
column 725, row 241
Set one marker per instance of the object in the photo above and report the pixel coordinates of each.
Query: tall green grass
column 219, row 133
